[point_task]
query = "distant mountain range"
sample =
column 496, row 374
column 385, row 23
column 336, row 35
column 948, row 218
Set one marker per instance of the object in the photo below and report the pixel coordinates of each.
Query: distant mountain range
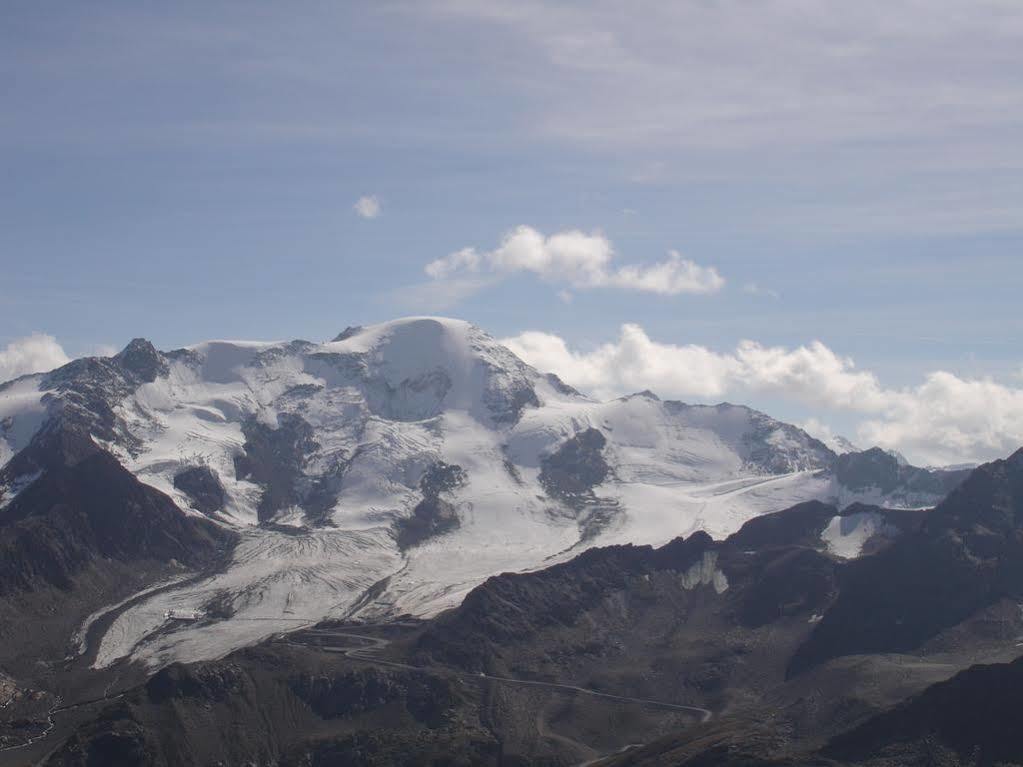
column 166, row 507
column 386, row 472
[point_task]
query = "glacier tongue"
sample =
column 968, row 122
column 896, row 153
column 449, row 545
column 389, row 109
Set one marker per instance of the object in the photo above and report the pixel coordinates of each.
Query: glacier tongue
column 319, row 453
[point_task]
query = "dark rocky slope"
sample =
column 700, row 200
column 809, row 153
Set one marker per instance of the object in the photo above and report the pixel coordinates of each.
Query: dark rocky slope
column 434, row 515
column 877, row 468
column 967, row 555
column 286, row 706
column 973, row 718
column 85, row 533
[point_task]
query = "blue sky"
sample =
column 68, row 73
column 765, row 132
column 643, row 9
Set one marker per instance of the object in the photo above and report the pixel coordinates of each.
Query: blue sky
column 854, row 175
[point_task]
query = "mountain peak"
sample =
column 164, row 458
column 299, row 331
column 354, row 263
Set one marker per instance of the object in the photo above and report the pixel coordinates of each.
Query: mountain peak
column 645, row 394
column 414, row 335
column 430, row 364
column 141, row 358
column 347, row 333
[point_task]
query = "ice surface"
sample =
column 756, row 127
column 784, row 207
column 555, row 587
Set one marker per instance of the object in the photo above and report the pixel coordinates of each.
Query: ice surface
column 276, row 582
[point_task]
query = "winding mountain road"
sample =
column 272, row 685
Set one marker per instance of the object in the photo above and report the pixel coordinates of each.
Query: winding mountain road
column 56, row 709
column 366, row 653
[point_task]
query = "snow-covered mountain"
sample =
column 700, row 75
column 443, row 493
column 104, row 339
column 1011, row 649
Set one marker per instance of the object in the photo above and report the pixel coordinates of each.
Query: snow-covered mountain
column 394, row 468
column 840, row 445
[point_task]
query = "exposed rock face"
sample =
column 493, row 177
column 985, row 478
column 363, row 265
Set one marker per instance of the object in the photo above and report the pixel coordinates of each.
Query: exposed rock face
column 274, row 459
column 109, row 741
column 987, row 506
column 87, row 391
column 199, row 683
column 141, row 359
column 433, row 515
column 412, row 399
column 77, row 515
column 801, row 524
column 509, row 610
column 59, row 444
column 506, row 404
column 323, row 490
column 572, row 471
column 974, row 716
column 427, row 698
column 272, row 705
column 203, row 487
column 788, row 582
column 561, row 387
column 347, row 333
column 877, row 468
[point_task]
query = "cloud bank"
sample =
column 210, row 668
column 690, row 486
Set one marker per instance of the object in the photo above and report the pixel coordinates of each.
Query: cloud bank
column 580, row 260
column 945, row 419
column 36, row 353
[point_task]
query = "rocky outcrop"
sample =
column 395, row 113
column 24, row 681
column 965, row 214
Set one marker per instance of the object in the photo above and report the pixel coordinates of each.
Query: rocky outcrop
column 279, row 705
column 572, row 471
column 273, row 459
column 512, row 608
column 201, row 683
column 85, row 393
column 434, row 515
column 95, row 510
column 429, row 699
column 141, row 360
column 203, row 488
column 801, row 524
column 878, row 469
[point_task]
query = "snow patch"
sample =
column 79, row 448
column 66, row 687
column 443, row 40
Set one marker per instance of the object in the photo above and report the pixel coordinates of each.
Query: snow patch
column 846, row 536
column 705, row 573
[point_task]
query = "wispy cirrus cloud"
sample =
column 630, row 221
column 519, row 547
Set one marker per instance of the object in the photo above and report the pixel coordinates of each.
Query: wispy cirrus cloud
column 756, row 289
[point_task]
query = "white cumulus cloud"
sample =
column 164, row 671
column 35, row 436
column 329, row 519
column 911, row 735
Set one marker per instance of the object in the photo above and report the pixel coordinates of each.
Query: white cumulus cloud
column 368, row 206
column 945, row 419
column 36, row 353
column 948, row 419
column 578, row 259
